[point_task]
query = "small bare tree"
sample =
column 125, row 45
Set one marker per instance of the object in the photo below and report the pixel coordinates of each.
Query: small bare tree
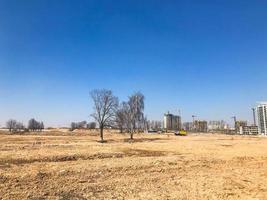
column 20, row 127
column 11, row 125
column 73, row 126
column 105, row 106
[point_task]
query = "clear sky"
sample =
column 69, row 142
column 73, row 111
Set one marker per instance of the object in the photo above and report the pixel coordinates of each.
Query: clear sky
column 204, row 57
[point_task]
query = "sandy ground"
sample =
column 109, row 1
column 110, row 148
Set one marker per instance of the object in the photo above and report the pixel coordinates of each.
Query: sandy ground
column 152, row 167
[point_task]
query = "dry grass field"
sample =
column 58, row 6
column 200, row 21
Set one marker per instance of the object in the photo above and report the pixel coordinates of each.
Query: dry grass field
column 76, row 166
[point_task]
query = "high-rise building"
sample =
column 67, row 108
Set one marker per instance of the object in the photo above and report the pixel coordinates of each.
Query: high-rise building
column 172, row 122
column 216, row 125
column 200, row 126
column 262, row 117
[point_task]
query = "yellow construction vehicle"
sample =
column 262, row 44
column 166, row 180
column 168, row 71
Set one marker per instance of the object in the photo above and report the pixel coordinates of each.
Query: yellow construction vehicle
column 181, row 133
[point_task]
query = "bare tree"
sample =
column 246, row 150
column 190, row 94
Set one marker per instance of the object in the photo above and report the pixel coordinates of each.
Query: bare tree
column 32, row 125
column 11, row 125
column 105, row 105
column 19, row 126
column 137, row 106
column 41, row 126
column 127, row 116
column 73, row 126
column 91, row 125
column 121, row 117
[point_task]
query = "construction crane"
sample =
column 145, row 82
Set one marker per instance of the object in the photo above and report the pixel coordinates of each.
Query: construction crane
column 234, row 117
column 254, row 117
column 194, row 116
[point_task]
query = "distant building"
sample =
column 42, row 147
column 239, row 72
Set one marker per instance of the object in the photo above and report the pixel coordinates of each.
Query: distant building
column 172, row 122
column 154, row 125
column 248, row 130
column 262, row 118
column 188, row 126
column 200, row 126
column 216, row 125
column 239, row 124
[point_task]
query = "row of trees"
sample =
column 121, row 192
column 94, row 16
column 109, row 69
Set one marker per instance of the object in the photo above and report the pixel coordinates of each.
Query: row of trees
column 154, row 125
column 128, row 115
column 77, row 125
column 82, row 124
column 15, row 126
column 108, row 112
column 34, row 125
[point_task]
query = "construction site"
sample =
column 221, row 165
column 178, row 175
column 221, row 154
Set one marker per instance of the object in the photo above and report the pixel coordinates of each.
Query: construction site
column 73, row 165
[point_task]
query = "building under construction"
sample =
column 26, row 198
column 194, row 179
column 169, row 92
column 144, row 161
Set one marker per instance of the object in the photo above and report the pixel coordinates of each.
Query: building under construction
column 262, row 118
column 200, row 126
column 240, row 124
column 217, row 125
column 172, row 122
column 248, row 130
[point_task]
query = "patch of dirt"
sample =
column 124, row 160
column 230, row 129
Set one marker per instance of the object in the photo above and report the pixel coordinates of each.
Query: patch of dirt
column 143, row 153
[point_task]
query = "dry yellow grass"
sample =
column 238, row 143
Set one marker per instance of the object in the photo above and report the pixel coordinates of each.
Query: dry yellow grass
column 153, row 167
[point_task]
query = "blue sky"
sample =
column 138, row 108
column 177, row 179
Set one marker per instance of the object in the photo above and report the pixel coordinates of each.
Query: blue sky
column 207, row 58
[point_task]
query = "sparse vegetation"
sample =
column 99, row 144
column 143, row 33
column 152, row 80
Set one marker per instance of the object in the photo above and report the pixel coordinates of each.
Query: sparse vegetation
column 53, row 166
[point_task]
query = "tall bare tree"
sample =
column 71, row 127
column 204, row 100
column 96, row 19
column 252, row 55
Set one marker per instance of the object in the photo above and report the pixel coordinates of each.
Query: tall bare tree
column 121, row 117
column 137, row 106
column 105, row 106
column 127, row 116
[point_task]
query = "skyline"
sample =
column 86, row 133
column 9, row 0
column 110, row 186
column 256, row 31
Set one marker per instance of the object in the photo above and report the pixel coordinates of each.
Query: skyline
column 208, row 59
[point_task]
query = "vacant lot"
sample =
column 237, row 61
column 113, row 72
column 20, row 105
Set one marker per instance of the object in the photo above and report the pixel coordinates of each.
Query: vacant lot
column 151, row 167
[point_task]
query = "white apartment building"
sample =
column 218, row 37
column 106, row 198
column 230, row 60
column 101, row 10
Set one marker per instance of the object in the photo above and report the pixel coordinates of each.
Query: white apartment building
column 216, row 125
column 262, row 117
column 171, row 122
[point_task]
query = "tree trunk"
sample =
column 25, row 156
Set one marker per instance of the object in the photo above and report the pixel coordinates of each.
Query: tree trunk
column 101, row 133
column 121, row 129
column 131, row 135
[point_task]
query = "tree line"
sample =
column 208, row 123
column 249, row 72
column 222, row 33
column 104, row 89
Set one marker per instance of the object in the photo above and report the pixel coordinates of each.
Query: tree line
column 108, row 112
column 81, row 125
column 33, row 125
